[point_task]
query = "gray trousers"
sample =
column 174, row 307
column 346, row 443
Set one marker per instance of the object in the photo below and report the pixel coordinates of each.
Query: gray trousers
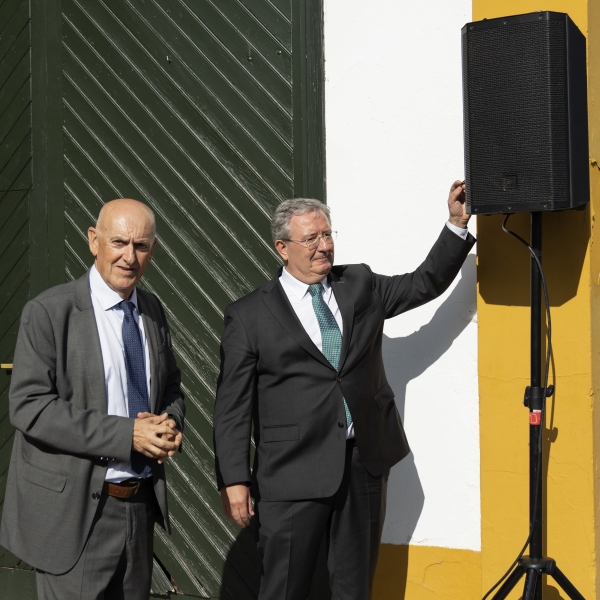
column 290, row 534
column 116, row 562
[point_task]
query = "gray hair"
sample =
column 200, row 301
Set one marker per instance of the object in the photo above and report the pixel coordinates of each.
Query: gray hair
column 280, row 223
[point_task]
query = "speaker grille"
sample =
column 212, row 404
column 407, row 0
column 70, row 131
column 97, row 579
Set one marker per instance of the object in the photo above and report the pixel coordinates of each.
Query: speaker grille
column 516, row 146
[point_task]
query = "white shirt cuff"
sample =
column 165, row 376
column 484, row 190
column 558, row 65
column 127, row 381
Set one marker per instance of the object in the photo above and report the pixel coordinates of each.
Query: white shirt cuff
column 459, row 231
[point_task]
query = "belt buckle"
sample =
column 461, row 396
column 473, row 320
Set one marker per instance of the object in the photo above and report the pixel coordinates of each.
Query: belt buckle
column 136, row 487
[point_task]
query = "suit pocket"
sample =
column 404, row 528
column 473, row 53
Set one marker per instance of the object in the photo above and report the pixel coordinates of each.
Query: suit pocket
column 281, row 433
column 46, row 479
column 384, row 396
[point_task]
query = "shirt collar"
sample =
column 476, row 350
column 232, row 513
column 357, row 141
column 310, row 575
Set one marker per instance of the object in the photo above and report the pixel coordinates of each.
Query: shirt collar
column 297, row 287
column 106, row 296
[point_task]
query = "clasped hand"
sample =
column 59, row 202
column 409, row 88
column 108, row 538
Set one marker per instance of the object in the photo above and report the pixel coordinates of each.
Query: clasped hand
column 156, row 436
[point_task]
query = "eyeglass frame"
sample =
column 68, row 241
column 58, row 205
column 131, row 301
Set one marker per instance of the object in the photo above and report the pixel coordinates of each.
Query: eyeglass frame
column 331, row 235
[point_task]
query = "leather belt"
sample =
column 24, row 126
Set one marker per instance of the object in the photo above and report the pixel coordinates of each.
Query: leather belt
column 125, row 489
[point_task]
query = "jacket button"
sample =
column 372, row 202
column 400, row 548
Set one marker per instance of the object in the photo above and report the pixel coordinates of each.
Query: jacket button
column 340, row 424
column 339, row 379
column 96, row 496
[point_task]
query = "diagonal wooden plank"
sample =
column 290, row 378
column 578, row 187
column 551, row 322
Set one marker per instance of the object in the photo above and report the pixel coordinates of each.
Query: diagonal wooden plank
column 17, row 584
column 175, row 145
column 19, row 160
column 16, row 111
column 227, row 45
column 15, row 53
column 8, row 339
column 144, row 184
column 15, row 81
column 15, row 277
column 283, row 6
column 18, row 247
column 12, row 26
column 161, row 585
column 230, row 120
column 276, row 17
column 14, row 211
column 11, row 313
column 7, row 559
column 251, row 31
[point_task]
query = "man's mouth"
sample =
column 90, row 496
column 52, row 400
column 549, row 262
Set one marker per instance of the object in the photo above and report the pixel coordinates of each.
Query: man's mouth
column 126, row 270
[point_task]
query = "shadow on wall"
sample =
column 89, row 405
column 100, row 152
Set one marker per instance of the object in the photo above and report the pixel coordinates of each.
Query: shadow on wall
column 405, row 359
column 504, row 262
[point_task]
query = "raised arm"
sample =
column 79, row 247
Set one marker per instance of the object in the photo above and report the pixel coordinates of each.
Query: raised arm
column 432, row 278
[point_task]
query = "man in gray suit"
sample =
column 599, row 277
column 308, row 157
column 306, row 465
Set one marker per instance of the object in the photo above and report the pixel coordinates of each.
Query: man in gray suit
column 96, row 402
column 302, row 370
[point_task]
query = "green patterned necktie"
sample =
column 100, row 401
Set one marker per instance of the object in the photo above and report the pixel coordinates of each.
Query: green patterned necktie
column 330, row 333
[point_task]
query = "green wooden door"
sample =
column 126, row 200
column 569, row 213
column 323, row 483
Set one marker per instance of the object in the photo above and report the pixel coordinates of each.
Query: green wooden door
column 15, row 252
column 211, row 112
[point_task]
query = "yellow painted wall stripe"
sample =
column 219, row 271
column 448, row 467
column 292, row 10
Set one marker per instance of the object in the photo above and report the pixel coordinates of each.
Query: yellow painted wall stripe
column 427, row 573
column 572, row 428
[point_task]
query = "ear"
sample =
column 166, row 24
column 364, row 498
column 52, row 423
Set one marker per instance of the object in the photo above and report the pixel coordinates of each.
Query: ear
column 281, row 248
column 153, row 246
column 93, row 241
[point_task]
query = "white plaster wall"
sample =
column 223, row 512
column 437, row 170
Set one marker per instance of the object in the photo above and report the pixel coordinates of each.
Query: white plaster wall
column 394, row 145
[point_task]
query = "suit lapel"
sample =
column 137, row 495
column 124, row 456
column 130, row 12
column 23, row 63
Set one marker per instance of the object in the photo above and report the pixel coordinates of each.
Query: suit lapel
column 152, row 337
column 88, row 341
column 279, row 305
column 345, row 303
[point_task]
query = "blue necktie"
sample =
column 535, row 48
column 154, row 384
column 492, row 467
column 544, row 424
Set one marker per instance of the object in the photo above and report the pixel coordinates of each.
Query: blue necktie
column 137, row 388
column 331, row 336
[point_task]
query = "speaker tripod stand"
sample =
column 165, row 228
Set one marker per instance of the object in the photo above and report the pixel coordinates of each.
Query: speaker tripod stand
column 535, row 565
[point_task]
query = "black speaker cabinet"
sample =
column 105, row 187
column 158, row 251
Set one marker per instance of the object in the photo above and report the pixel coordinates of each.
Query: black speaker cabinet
column 525, row 114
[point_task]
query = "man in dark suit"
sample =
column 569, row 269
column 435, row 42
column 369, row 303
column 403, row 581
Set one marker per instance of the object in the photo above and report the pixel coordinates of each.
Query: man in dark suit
column 302, row 369
column 96, row 403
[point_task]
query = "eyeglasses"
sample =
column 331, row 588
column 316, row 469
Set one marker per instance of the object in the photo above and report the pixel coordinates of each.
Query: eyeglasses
column 313, row 242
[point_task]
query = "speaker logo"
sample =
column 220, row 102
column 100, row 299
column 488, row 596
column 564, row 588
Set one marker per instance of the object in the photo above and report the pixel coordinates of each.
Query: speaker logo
column 509, row 182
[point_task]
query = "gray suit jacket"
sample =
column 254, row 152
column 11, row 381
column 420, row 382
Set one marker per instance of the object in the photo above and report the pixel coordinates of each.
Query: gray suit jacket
column 276, row 385
column 63, row 434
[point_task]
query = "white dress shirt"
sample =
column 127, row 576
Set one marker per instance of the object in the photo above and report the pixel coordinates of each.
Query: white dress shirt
column 109, row 320
column 459, row 231
column 301, row 301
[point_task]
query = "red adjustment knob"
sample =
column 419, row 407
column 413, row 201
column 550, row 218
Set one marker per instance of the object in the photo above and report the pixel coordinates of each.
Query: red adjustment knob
column 535, row 417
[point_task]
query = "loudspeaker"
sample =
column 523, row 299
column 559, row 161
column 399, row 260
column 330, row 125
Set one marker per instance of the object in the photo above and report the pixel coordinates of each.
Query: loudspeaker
column 525, row 114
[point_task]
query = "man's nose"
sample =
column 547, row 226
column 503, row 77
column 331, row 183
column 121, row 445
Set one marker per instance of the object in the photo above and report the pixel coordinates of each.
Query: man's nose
column 322, row 244
column 129, row 254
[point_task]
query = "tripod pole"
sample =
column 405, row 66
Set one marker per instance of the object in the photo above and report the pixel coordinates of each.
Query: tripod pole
column 536, row 564
column 535, row 414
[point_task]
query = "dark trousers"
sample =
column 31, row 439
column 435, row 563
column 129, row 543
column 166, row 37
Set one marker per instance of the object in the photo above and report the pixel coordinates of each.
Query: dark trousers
column 290, row 534
column 116, row 562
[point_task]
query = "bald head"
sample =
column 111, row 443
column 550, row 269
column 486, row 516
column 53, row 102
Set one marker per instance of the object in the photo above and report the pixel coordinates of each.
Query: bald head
column 122, row 243
column 125, row 208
